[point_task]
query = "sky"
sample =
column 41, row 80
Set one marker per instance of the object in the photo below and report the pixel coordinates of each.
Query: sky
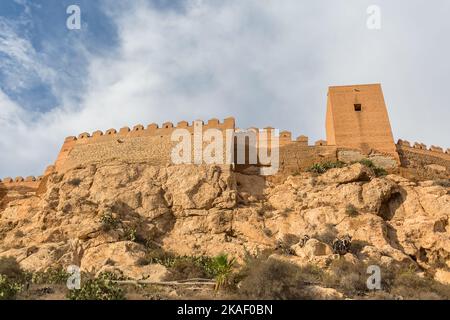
column 265, row 62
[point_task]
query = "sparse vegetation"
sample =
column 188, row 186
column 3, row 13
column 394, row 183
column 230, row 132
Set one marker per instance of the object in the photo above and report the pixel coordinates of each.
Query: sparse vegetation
column 320, row 168
column 222, row 267
column 351, row 210
column 12, row 278
column 346, row 277
column 267, row 232
column 188, row 267
column 130, row 234
column 51, row 276
column 19, row 234
column 9, row 288
column 102, row 287
column 109, row 222
column 409, row 285
column 284, row 247
column 74, row 182
column 264, row 278
column 442, row 182
column 10, row 268
column 156, row 256
column 379, row 172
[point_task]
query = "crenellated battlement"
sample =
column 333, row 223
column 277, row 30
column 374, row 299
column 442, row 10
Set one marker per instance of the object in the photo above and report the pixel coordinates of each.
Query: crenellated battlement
column 432, row 162
column 152, row 129
column 418, row 146
column 357, row 119
column 28, row 182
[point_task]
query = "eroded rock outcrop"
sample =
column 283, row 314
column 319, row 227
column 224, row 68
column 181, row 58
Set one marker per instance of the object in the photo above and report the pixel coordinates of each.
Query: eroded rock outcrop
column 105, row 217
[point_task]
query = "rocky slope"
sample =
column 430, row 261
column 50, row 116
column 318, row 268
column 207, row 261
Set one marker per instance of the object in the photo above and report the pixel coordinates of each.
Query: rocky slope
column 105, row 217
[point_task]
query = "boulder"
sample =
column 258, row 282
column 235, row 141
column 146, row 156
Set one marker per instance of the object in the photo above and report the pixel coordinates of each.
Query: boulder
column 352, row 173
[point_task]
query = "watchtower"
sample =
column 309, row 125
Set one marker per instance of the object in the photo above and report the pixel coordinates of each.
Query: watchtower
column 357, row 118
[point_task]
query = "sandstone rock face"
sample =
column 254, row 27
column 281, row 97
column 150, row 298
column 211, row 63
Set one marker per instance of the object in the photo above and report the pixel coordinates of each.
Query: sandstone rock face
column 105, row 217
column 379, row 160
column 355, row 172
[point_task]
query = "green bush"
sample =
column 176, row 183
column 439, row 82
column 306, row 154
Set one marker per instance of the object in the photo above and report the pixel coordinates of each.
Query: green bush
column 351, row 210
column 101, row 288
column 9, row 288
column 109, row 222
column 130, row 234
column 12, row 278
column 320, row 168
column 182, row 268
column 156, row 256
column 368, row 163
column 50, row 276
column 221, row 268
column 186, row 267
column 74, row 182
column 379, row 172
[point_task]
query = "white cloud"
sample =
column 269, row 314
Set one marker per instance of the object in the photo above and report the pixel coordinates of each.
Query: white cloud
column 265, row 62
column 21, row 64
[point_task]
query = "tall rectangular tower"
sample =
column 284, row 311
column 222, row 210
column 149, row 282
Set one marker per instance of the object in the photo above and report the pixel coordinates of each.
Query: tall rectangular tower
column 357, row 118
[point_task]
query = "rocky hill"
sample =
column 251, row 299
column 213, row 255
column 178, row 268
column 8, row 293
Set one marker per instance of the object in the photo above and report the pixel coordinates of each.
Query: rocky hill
column 123, row 217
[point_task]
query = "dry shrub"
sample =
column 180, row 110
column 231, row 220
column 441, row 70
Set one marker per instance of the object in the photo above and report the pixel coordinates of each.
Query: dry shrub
column 266, row 279
column 347, row 277
column 10, row 268
column 411, row 286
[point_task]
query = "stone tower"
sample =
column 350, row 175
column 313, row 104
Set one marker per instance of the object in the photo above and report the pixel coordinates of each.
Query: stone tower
column 357, row 118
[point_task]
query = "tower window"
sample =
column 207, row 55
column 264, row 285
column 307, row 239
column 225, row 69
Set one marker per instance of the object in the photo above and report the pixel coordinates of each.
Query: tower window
column 357, row 106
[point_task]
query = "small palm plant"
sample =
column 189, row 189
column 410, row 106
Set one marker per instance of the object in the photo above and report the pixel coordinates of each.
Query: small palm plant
column 222, row 268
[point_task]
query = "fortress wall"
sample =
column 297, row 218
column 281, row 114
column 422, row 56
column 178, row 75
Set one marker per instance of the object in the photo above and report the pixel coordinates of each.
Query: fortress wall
column 152, row 144
column 154, row 149
column 28, row 182
column 138, row 144
column 424, row 161
column 296, row 157
column 12, row 189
